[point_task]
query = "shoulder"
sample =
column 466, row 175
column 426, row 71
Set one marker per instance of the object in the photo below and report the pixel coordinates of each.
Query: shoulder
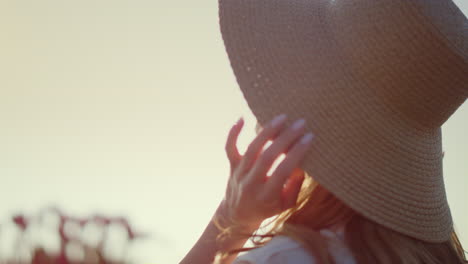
column 281, row 249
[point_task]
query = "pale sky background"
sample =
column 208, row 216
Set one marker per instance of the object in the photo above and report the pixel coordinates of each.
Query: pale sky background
column 123, row 107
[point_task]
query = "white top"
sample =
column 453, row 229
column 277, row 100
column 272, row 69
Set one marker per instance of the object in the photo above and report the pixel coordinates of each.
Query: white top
column 284, row 250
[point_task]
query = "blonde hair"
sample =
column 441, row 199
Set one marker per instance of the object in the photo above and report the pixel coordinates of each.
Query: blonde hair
column 368, row 241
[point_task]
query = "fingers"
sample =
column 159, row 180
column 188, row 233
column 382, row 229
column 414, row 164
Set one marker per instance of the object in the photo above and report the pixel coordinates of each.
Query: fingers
column 279, row 146
column 268, row 132
column 231, row 143
column 290, row 162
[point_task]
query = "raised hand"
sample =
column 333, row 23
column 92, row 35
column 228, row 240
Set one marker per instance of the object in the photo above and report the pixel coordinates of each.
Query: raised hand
column 252, row 196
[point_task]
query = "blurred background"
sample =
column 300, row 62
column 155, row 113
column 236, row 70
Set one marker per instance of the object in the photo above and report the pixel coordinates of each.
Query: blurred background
column 119, row 110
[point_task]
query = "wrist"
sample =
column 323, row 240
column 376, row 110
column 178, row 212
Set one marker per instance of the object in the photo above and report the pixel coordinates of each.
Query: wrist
column 225, row 219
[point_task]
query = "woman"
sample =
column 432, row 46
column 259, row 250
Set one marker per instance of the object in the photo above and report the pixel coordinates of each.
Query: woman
column 374, row 81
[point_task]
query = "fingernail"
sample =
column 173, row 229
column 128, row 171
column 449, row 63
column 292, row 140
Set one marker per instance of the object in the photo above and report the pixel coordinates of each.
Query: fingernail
column 307, row 138
column 278, row 120
column 239, row 121
column 298, row 124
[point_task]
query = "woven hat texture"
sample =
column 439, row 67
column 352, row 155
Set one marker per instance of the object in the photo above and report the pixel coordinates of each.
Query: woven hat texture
column 375, row 80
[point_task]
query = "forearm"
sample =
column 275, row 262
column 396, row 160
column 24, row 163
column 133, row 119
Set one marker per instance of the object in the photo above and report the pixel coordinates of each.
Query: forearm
column 205, row 248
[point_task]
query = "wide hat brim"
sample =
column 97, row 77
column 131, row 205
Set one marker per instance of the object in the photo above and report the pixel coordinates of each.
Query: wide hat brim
column 375, row 81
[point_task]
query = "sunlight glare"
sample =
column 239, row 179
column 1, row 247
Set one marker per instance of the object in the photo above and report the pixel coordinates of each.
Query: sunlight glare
column 275, row 164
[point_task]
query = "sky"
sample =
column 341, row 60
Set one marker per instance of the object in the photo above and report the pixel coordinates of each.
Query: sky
column 123, row 108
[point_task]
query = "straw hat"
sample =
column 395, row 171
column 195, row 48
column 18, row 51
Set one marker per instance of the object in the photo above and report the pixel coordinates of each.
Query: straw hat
column 375, row 80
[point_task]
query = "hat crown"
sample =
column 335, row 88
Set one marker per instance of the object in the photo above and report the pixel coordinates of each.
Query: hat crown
column 449, row 20
column 423, row 75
